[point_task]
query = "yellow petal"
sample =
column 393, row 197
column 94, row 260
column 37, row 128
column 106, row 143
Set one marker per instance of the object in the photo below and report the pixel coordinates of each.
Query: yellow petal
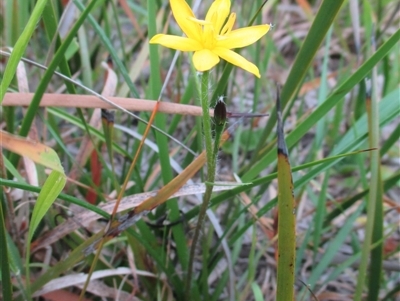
column 175, row 42
column 229, row 24
column 218, row 12
column 204, row 60
column 243, row 37
column 237, row 60
column 182, row 13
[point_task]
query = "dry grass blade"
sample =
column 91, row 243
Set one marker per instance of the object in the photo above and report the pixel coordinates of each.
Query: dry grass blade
column 89, row 101
column 33, row 150
column 84, row 219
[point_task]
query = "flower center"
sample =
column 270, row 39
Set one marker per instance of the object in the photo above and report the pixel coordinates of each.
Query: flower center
column 208, row 36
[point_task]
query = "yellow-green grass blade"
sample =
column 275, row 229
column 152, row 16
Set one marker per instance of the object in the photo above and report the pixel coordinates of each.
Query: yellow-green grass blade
column 286, row 218
column 20, row 46
column 48, row 194
column 373, row 228
column 376, row 254
column 13, row 171
column 4, row 260
column 15, row 17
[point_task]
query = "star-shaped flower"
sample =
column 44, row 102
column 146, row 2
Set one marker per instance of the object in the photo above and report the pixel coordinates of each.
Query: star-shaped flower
column 212, row 38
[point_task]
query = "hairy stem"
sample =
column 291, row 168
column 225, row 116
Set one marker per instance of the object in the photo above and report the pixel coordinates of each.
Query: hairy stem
column 211, row 167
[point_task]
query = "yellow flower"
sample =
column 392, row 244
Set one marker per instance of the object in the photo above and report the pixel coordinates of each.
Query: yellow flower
column 212, row 38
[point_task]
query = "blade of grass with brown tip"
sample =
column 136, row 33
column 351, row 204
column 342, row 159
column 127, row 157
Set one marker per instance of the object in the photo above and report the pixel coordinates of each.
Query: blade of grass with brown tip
column 286, row 218
column 33, row 150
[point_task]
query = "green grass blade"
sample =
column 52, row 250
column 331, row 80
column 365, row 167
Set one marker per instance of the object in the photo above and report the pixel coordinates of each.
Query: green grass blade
column 389, row 142
column 286, row 219
column 330, row 102
column 375, row 270
column 257, row 292
column 373, row 208
column 20, row 46
column 333, row 248
column 13, row 171
column 61, row 196
column 4, row 260
column 322, row 22
column 390, row 296
column 48, row 194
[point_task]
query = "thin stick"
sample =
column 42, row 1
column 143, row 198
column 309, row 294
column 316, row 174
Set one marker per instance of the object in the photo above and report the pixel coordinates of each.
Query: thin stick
column 90, row 101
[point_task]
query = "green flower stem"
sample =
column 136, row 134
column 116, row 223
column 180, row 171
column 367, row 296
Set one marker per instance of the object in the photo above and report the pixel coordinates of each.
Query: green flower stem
column 205, row 105
column 211, row 165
